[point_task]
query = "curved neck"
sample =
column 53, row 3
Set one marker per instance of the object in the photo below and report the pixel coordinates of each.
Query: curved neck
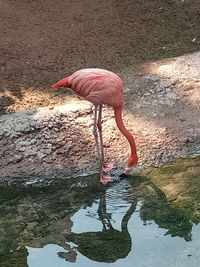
column 127, row 216
column 118, row 118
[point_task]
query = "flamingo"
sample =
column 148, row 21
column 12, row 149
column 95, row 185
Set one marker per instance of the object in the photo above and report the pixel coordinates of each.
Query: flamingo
column 102, row 87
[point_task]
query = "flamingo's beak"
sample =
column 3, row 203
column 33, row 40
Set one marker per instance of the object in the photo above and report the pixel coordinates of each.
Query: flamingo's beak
column 123, row 175
column 59, row 84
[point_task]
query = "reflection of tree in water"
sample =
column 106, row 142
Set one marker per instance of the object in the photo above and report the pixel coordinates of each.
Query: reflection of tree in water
column 167, row 216
column 107, row 245
column 164, row 213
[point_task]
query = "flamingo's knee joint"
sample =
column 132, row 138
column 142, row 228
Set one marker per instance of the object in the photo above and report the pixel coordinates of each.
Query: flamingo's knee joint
column 94, row 130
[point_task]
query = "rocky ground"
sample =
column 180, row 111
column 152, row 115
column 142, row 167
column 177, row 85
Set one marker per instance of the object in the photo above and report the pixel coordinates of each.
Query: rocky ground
column 161, row 97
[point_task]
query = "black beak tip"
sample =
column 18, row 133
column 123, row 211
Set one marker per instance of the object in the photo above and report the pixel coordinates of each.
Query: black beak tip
column 123, row 175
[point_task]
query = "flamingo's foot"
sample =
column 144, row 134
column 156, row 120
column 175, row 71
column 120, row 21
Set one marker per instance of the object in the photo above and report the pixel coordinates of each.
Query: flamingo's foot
column 105, row 179
column 106, row 167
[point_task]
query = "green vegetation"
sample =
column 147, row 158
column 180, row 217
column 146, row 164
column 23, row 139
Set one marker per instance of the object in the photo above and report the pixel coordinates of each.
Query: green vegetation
column 180, row 182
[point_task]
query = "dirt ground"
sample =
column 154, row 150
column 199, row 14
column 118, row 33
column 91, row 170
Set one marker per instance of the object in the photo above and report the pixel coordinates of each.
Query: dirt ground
column 45, row 40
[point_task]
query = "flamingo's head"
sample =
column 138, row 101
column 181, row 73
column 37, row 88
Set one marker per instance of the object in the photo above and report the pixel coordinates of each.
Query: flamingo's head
column 61, row 83
column 132, row 161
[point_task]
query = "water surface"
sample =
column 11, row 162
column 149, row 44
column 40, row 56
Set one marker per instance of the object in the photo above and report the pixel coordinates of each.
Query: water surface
column 78, row 222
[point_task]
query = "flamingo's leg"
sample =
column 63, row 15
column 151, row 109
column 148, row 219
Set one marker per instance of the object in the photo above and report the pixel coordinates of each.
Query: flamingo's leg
column 95, row 133
column 104, row 179
column 100, row 133
column 106, row 167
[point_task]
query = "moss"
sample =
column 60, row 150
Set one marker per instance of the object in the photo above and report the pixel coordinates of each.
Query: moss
column 11, row 255
column 180, row 182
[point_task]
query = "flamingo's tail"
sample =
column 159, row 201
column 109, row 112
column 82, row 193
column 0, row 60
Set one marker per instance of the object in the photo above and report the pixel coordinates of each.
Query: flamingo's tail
column 62, row 83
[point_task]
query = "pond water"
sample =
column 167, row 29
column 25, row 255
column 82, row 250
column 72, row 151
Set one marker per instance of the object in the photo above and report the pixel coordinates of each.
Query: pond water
column 78, row 222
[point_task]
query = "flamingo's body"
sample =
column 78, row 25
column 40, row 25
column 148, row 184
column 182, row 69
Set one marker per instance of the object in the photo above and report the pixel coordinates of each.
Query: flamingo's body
column 102, row 87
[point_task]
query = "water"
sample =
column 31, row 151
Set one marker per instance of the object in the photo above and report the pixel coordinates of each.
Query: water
column 78, row 222
column 150, row 247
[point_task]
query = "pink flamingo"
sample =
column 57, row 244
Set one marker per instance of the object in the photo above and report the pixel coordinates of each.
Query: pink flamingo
column 102, row 87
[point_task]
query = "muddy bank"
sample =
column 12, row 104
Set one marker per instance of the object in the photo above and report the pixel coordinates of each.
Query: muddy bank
column 161, row 110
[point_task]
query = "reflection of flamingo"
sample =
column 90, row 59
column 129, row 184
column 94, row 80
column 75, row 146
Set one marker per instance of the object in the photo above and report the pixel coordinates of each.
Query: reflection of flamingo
column 107, row 245
column 102, row 87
